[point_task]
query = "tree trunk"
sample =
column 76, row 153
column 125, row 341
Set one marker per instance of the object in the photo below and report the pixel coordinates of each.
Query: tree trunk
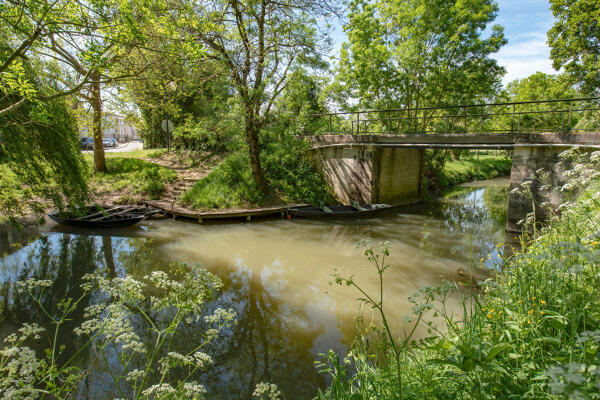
column 99, row 160
column 109, row 260
column 252, row 139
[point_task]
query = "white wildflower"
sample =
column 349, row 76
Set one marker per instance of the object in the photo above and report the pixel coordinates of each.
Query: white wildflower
column 136, row 374
column 159, row 390
column 267, row 391
column 30, row 284
column 220, row 316
column 202, row 359
column 193, row 388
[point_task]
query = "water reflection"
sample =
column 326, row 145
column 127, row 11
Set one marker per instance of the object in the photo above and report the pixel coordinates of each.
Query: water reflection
column 276, row 276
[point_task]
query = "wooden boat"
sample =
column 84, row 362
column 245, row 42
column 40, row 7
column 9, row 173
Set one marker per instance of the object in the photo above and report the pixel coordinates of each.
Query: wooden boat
column 351, row 211
column 104, row 217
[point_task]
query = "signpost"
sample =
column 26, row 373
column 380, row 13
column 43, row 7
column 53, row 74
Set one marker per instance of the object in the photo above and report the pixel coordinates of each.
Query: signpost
column 167, row 127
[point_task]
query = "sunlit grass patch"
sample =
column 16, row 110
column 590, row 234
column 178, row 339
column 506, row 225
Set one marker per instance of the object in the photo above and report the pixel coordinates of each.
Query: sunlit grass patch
column 141, row 176
column 468, row 168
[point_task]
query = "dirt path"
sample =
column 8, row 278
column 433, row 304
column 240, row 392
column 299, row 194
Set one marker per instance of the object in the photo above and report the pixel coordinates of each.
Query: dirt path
column 188, row 171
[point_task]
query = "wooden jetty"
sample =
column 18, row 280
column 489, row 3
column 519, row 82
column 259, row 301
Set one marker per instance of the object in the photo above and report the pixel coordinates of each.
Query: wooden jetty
column 177, row 211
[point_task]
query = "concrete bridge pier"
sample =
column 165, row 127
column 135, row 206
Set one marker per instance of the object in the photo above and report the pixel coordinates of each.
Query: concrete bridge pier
column 371, row 174
column 535, row 181
column 536, row 160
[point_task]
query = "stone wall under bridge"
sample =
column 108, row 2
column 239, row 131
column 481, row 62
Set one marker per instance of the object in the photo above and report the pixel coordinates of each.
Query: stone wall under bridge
column 371, row 174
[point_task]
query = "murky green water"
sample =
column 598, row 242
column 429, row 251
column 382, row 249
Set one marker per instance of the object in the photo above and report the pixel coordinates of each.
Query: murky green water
column 277, row 277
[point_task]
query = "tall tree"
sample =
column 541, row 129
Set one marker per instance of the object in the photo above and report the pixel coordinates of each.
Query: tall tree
column 84, row 38
column 575, row 41
column 260, row 42
column 411, row 53
column 545, row 116
column 107, row 31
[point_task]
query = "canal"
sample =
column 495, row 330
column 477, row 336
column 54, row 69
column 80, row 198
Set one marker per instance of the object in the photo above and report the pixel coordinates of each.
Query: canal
column 277, row 277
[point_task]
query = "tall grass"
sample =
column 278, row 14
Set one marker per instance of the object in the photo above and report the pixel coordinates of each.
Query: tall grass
column 291, row 178
column 531, row 332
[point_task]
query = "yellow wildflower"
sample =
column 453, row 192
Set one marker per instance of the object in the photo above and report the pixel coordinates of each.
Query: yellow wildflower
column 542, row 302
column 594, row 244
column 530, row 312
column 542, row 313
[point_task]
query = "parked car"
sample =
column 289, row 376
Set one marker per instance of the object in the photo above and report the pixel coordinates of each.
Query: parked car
column 109, row 142
column 87, row 143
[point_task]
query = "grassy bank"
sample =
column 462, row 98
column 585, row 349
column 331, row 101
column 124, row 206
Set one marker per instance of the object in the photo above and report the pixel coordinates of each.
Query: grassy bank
column 128, row 178
column 533, row 331
column 442, row 175
column 230, row 185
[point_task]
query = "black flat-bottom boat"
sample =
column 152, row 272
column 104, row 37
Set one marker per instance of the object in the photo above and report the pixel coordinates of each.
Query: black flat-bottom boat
column 104, row 217
column 352, row 211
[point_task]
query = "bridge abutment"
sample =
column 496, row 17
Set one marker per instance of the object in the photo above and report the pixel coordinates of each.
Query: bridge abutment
column 535, row 181
column 370, row 174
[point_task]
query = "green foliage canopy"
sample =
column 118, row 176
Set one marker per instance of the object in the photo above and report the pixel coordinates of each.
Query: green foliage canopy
column 40, row 158
column 575, row 41
column 411, row 53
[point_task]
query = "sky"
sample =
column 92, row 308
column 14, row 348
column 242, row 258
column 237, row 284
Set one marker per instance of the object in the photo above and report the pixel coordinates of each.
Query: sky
column 525, row 23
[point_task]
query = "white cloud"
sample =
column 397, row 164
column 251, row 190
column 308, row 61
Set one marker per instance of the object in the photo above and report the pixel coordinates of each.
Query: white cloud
column 525, row 57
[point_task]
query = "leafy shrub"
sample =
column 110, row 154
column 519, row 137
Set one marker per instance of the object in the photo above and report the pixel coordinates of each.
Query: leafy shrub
column 228, row 185
column 231, row 184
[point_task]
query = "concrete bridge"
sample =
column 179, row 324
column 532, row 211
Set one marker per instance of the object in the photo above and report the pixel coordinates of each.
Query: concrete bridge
column 388, row 168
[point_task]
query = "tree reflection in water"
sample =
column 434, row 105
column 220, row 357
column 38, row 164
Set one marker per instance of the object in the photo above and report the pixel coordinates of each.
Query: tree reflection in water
column 277, row 334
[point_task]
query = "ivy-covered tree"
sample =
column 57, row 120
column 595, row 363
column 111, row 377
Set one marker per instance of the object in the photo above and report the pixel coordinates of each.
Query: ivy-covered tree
column 575, row 41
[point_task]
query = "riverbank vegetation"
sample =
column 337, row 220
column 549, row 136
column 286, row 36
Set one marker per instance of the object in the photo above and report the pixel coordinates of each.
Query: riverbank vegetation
column 442, row 171
column 292, row 178
column 128, row 178
column 531, row 331
column 241, row 80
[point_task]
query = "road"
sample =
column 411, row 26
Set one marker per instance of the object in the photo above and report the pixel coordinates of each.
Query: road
column 121, row 147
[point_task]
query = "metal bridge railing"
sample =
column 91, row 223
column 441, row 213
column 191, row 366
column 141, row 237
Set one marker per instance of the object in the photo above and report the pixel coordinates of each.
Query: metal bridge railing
column 568, row 115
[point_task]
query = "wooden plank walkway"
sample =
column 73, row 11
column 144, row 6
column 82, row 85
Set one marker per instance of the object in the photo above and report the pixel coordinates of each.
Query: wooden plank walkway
column 177, row 211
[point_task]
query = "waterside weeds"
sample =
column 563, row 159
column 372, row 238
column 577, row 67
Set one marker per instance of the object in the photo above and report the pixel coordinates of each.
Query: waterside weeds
column 145, row 368
column 531, row 332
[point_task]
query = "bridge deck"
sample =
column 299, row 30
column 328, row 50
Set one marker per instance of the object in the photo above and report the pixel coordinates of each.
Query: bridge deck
column 457, row 141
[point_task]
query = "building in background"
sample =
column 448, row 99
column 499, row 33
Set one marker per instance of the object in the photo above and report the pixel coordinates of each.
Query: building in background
column 113, row 126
